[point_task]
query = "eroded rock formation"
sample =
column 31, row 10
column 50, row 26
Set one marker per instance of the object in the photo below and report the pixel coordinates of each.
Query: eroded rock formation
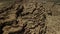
column 26, row 17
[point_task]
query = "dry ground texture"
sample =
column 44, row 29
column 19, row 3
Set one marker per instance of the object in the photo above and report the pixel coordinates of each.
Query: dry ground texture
column 29, row 16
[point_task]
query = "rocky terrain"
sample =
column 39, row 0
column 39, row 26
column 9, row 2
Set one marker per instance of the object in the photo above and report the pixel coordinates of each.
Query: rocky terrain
column 29, row 17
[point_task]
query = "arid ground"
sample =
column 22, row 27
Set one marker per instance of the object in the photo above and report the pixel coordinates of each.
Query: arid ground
column 29, row 16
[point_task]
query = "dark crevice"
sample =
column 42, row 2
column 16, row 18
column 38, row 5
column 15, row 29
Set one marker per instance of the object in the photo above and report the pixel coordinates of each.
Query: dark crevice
column 43, row 25
column 2, row 18
column 19, row 11
column 1, row 27
column 50, row 13
column 17, row 1
column 9, row 23
column 1, row 11
column 44, row 16
column 33, row 11
column 43, row 31
column 5, row 24
column 17, row 32
column 25, row 14
column 9, row 7
column 20, row 31
column 5, row 9
column 28, row 13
